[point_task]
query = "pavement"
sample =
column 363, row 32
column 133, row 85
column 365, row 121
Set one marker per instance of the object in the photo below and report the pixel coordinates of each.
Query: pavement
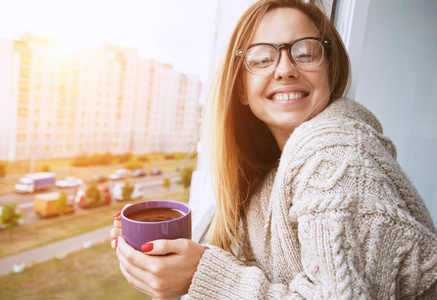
column 57, row 249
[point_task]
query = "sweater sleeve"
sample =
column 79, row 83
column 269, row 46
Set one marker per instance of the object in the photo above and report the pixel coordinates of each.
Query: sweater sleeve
column 364, row 231
column 220, row 275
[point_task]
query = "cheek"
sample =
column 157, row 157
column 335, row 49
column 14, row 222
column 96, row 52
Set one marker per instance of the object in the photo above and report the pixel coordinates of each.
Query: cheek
column 324, row 83
column 254, row 87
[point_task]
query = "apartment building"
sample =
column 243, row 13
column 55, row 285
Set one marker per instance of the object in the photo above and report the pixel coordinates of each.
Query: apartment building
column 56, row 105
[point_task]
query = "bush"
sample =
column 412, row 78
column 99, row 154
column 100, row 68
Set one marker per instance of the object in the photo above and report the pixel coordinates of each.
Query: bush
column 62, row 203
column 45, row 168
column 143, row 158
column 11, row 215
column 186, row 174
column 124, row 157
column 133, row 164
column 166, row 183
column 169, row 156
column 127, row 189
column 93, row 194
column 2, row 169
column 98, row 159
column 80, row 161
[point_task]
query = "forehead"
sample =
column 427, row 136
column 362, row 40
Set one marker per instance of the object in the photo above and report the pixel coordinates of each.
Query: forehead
column 283, row 25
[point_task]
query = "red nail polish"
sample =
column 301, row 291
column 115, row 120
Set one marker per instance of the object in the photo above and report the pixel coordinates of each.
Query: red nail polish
column 147, row 247
column 117, row 214
column 116, row 242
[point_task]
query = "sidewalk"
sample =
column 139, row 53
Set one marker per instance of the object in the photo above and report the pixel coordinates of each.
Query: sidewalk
column 60, row 248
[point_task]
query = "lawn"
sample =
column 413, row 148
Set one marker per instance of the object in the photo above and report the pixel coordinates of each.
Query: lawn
column 46, row 231
column 86, row 274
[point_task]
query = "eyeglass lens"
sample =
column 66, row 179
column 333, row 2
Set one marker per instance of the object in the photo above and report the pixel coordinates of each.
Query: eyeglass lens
column 263, row 59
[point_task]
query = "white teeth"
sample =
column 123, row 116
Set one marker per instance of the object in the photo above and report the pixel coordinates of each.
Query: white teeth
column 290, row 96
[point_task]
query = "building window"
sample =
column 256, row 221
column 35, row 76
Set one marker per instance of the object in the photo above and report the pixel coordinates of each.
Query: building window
column 22, row 112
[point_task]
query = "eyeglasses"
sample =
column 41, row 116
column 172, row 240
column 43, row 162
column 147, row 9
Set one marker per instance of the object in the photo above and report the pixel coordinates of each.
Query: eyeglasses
column 305, row 53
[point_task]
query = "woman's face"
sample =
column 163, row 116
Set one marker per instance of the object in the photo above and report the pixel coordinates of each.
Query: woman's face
column 288, row 96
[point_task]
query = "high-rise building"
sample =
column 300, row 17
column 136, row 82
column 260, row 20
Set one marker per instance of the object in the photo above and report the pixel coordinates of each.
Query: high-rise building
column 57, row 105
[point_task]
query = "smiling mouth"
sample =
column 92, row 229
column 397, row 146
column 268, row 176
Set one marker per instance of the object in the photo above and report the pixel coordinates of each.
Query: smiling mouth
column 288, row 96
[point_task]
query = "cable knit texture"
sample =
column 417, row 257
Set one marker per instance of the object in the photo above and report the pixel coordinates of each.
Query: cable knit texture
column 338, row 219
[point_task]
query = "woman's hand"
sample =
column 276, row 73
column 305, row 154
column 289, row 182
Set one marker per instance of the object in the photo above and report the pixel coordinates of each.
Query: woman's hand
column 116, row 231
column 165, row 271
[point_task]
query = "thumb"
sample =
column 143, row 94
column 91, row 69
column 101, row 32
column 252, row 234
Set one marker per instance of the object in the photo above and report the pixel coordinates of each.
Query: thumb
column 164, row 247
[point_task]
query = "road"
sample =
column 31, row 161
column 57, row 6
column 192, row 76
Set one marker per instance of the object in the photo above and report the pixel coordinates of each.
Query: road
column 56, row 249
column 149, row 185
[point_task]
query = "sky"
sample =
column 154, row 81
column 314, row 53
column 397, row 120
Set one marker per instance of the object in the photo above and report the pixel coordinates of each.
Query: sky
column 179, row 32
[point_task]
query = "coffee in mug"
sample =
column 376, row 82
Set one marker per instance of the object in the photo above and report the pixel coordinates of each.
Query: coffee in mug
column 155, row 214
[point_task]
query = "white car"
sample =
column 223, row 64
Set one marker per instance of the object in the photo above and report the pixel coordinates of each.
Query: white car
column 69, row 182
column 117, row 191
column 119, row 174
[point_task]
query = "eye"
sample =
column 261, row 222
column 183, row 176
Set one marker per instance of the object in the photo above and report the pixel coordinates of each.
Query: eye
column 305, row 57
column 263, row 62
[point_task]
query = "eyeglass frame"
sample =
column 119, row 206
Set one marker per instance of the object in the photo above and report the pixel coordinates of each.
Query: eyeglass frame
column 325, row 43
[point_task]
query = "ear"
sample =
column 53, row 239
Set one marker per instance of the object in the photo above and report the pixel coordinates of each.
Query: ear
column 243, row 99
column 242, row 96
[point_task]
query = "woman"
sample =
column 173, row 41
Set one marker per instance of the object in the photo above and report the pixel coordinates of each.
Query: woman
column 311, row 203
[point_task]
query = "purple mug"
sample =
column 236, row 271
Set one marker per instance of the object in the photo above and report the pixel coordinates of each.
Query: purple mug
column 137, row 233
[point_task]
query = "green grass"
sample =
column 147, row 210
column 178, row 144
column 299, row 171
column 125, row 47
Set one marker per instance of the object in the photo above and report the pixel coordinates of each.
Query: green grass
column 86, row 274
column 46, row 231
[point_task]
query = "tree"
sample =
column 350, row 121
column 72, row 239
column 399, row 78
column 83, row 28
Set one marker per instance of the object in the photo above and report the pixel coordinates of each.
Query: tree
column 62, row 203
column 124, row 157
column 11, row 216
column 93, row 195
column 127, row 189
column 133, row 164
column 2, row 169
column 144, row 158
column 98, row 159
column 186, row 174
column 80, row 161
column 45, row 168
column 166, row 183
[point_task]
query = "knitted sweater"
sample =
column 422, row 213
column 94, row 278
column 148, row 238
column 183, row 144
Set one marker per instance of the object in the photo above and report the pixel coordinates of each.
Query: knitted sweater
column 338, row 219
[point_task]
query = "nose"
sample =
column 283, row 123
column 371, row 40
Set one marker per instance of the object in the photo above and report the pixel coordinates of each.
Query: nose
column 285, row 68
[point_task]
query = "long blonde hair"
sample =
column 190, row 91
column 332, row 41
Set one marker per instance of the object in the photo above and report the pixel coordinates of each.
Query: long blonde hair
column 241, row 147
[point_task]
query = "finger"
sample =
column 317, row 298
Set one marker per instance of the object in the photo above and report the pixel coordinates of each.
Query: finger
column 164, row 247
column 129, row 255
column 135, row 282
column 134, row 264
column 117, row 223
column 115, row 232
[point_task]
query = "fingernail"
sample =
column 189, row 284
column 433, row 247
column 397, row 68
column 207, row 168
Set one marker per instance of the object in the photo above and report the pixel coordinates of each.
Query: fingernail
column 116, row 242
column 117, row 214
column 147, row 247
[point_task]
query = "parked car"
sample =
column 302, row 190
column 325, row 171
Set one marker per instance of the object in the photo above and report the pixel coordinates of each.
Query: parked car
column 118, row 189
column 35, row 182
column 98, row 178
column 46, row 205
column 119, row 174
column 69, row 182
column 138, row 173
column 156, row 172
column 81, row 199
